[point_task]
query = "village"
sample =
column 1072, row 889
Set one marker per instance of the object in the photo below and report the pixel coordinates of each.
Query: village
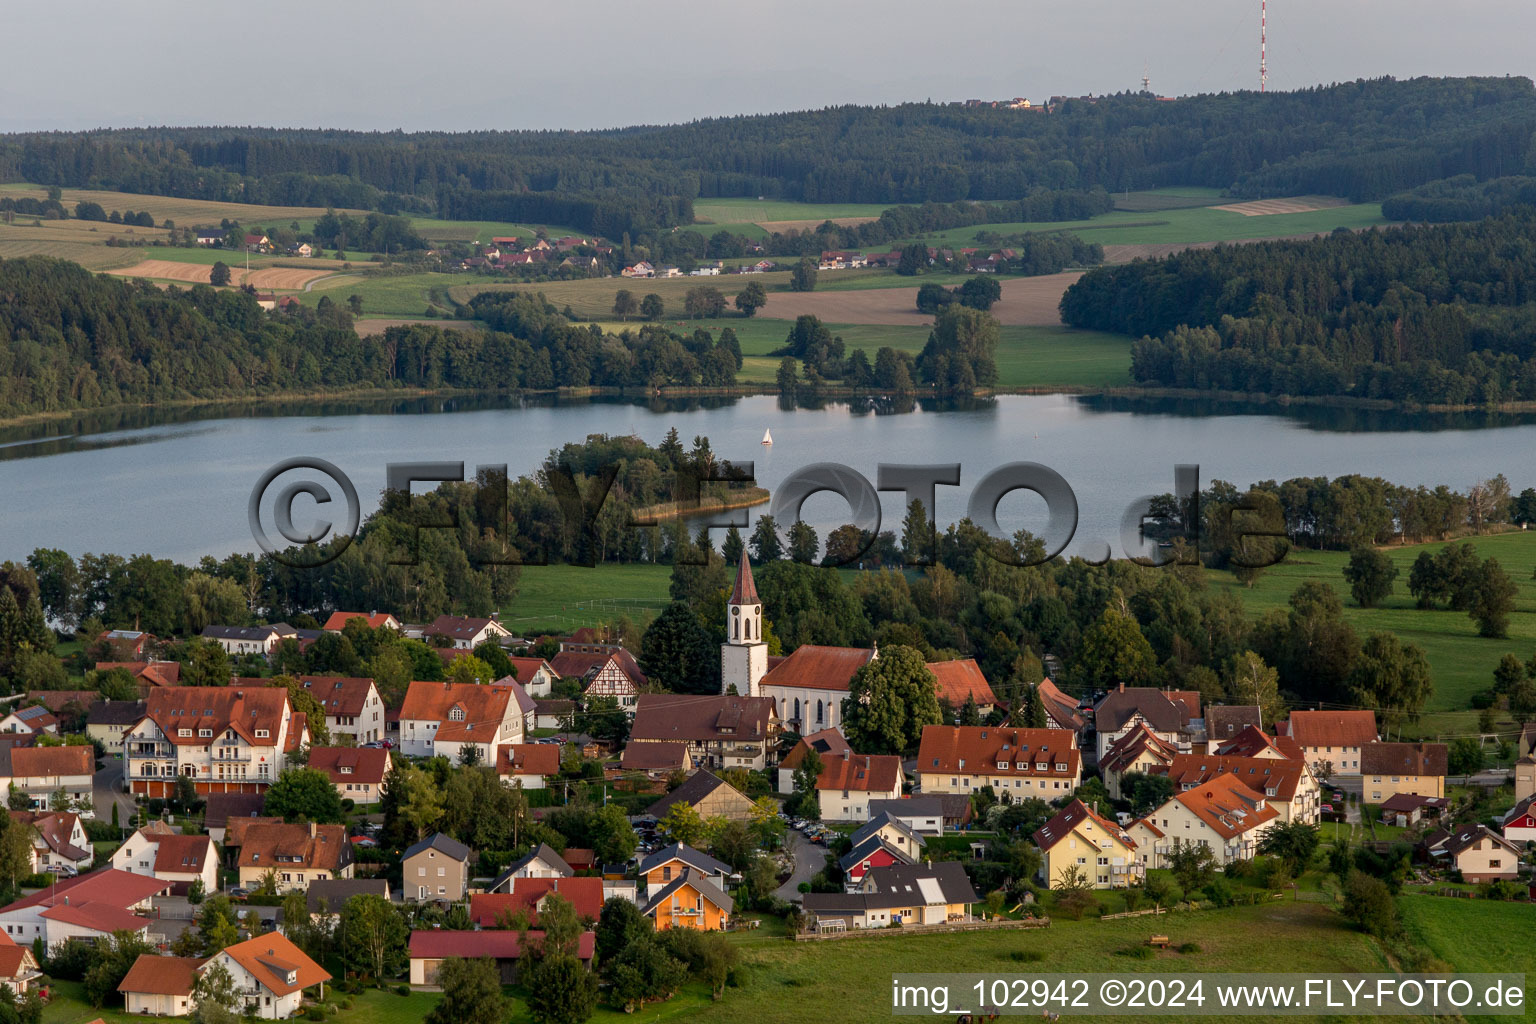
column 206, row 828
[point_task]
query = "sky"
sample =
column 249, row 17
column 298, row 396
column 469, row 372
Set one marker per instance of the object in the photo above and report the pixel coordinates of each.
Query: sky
column 575, row 64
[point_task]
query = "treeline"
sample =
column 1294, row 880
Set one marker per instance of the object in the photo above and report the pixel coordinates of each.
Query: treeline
column 1461, row 198
column 1442, row 314
column 1363, row 139
column 609, row 215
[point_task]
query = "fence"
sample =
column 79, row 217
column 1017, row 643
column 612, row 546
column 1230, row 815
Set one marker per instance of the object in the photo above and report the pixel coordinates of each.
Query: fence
column 929, row 929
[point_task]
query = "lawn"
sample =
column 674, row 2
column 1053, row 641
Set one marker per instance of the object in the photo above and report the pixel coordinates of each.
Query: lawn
column 1462, row 662
column 1176, row 197
column 566, row 597
column 1474, row 936
column 715, row 212
column 400, row 295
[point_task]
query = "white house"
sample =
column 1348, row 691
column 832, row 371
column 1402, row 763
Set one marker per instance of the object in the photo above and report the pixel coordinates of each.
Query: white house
column 448, row 718
column 170, row 857
column 1223, row 815
column 90, row 907
column 352, row 706
column 271, row 974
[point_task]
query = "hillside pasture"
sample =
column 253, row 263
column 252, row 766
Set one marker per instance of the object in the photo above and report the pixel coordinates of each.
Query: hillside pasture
column 1026, row 302
column 184, row 212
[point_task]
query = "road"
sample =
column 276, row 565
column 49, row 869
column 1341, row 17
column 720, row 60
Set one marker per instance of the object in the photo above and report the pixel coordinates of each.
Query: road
column 107, row 788
column 809, row 859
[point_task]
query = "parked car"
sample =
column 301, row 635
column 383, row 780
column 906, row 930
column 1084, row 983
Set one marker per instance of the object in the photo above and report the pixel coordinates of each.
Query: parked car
column 67, row 870
column 364, row 842
column 1327, row 808
column 239, row 892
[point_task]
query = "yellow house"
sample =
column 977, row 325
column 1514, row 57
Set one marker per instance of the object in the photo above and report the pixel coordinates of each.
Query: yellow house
column 690, row 901
column 1016, row 763
column 1102, row 852
column 908, row 895
column 1388, row 769
column 1223, row 815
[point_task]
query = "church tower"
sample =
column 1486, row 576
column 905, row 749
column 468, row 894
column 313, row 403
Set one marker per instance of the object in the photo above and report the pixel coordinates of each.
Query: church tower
column 744, row 655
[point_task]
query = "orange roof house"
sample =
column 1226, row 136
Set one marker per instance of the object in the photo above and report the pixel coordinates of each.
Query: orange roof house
column 848, row 783
column 443, row 718
column 374, row 620
column 528, row 895
column 1042, row 763
column 809, row 686
column 961, row 680
column 1332, row 736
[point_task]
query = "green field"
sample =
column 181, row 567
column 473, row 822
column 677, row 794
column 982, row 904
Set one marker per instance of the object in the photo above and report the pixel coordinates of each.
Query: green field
column 1462, row 662
column 567, row 597
column 1176, row 197
column 1474, row 936
column 403, row 295
column 756, row 211
column 434, row 230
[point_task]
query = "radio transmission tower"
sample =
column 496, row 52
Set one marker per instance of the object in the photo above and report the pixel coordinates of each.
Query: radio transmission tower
column 1263, row 44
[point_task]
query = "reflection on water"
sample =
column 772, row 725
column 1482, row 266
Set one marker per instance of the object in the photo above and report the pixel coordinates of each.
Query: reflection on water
column 1327, row 418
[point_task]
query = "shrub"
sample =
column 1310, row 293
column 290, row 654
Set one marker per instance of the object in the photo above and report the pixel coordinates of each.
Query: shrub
column 1137, row 952
column 1219, row 892
column 402, row 990
column 316, row 1013
column 348, row 804
column 1026, row 956
column 1190, row 947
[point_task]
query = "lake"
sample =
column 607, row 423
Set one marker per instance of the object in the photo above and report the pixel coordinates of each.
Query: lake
column 175, row 482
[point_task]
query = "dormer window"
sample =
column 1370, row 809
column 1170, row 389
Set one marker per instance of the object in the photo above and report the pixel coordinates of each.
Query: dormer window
column 1041, row 766
column 346, row 769
column 205, row 733
column 1002, row 766
column 456, row 714
column 262, row 734
column 183, row 732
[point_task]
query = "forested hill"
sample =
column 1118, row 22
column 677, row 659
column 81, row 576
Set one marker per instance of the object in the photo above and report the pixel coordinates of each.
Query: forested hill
column 1365, row 140
column 1434, row 314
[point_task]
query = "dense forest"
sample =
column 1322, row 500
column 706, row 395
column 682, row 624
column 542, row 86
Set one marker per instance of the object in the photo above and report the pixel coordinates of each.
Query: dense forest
column 1437, row 314
column 1363, row 139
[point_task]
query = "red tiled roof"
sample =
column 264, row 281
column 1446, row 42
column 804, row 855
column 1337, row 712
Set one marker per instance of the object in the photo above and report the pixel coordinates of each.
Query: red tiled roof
column 57, row 700
column 440, row 944
column 982, row 748
column 262, row 846
column 1330, row 728
column 827, row 743
column 1400, row 759
column 156, row 673
column 14, row 960
column 528, row 759
column 368, row 765
column 483, row 709
column 245, row 709
column 1061, row 708
column 863, row 773
column 526, row 668
column 584, row 894
column 1124, row 751
column 96, row 916
column 338, row 620
column 960, row 679
column 1070, row 817
column 179, row 854
column 458, row 627
column 1251, row 742
column 36, row 762
column 162, row 975
column 646, row 757
column 270, row 956
column 1259, row 774
column 676, row 716
column 819, row 668
column 339, row 695
column 1227, row 806
column 105, row 887
column 1164, row 710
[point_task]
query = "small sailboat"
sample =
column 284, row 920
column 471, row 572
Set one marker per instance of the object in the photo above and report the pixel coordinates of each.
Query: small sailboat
column 768, row 438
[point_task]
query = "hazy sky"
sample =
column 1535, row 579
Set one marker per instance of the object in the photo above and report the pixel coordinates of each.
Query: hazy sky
column 461, row 64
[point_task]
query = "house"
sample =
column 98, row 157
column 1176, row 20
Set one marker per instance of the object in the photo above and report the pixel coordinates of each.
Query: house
column 1288, row 786
column 847, row 784
column 257, row 243
column 827, row 743
column 148, row 674
column 1140, row 750
column 656, row 760
column 1078, row 839
column 35, row 719
column 893, row 832
column 1406, row 810
column 708, row 794
column 42, row 772
column 235, row 828
column 1387, row 769
column 220, row 808
column 908, row 895
column 1223, row 815
column 536, row 675
column 528, row 765
column 641, row 269
column 541, row 862
column 1478, row 852
column 304, row 249
column 811, row 684
column 1024, row 763
column 352, row 706
column 270, row 974
column 451, row 718
column 668, row 270
column 241, row 640
column 357, row 773
column 107, row 720
column 466, row 632
column 605, row 670
column 1168, row 713
column 211, row 236
column 294, row 854
column 1336, row 737
column 721, row 732
column 1520, row 822
column 18, row 967
column 430, row 948
column 1251, row 741
column 91, row 907
column 529, row 895
column 373, row 620
column 1223, row 722
column 1152, row 843
column 922, row 814
column 226, row 739
column 556, row 713
column 66, row 705
column 691, row 900
column 660, row 868
column 961, row 680
column 1525, row 777
column 161, row 986
column 58, row 839
column 170, row 857
column 326, row 896
column 1061, row 711
column 869, row 853
column 437, row 868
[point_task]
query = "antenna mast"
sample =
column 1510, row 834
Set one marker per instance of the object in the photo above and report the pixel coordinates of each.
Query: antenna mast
column 1263, row 44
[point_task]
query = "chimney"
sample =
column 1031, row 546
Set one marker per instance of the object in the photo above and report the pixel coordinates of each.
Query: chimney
column 1122, row 686
column 311, row 830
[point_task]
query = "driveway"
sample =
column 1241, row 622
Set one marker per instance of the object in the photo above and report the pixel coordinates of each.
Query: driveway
column 107, row 788
column 809, row 859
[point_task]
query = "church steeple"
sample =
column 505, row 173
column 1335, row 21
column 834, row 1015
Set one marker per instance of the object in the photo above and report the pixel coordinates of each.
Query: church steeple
column 744, row 655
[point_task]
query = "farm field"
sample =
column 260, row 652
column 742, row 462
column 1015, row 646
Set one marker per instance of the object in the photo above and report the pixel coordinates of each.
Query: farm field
column 434, row 230
column 267, row 277
column 567, row 597
column 401, row 295
column 592, row 299
column 1474, row 936
column 1026, row 301
column 1175, row 197
column 757, row 218
column 184, row 212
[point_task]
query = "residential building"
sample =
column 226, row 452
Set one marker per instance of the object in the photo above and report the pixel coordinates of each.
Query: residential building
column 540, row 862
column 170, row 857
column 450, row 718
column 556, row 713
column 659, row 869
column 528, row 765
column 437, row 868
column 106, row 721
column 352, row 706
column 1223, row 722
column 1079, row 840
column 690, row 900
column 373, row 620
column 869, row 853
column 656, row 760
column 923, row 813
column 1406, row 810
column 125, row 645
column 721, row 732
column 1252, row 741
column 430, row 948
column 827, row 743
column 605, row 670
column 1336, row 737
column 42, row 772
column 1478, row 852
column 810, row 685
column 270, row 974
column 1139, row 750
column 58, row 839
column 1171, row 714
column 235, row 828
column 219, row 808
column 1061, row 711
column 466, row 632
column 1520, row 822
column 1223, row 815
column 708, row 794
column 326, row 896
column 536, row 675
column 893, row 832
column 91, row 907
column 238, row 641
column 294, row 855
column 161, row 986
column 35, row 719
column 356, row 772
column 847, row 784
column 18, row 967
column 909, row 895
column 1023, row 763
column 1288, row 786
column 1387, row 769
column 528, row 896
column 1525, row 777
column 226, row 739
column 1152, row 843
column 148, row 674
column 961, row 680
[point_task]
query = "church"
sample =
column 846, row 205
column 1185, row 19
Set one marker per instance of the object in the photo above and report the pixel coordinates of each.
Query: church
column 808, row 687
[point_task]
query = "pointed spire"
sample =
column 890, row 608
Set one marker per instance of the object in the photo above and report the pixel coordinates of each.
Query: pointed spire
column 745, row 590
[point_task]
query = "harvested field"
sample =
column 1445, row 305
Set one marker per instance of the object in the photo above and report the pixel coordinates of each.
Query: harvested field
column 1026, row 302
column 371, row 326
column 781, row 226
column 89, row 255
column 185, row 212
column 272, row 278
column 1296, row 204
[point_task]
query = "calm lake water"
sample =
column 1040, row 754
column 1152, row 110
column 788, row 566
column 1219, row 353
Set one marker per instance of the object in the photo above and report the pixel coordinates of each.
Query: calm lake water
column 175, row 483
